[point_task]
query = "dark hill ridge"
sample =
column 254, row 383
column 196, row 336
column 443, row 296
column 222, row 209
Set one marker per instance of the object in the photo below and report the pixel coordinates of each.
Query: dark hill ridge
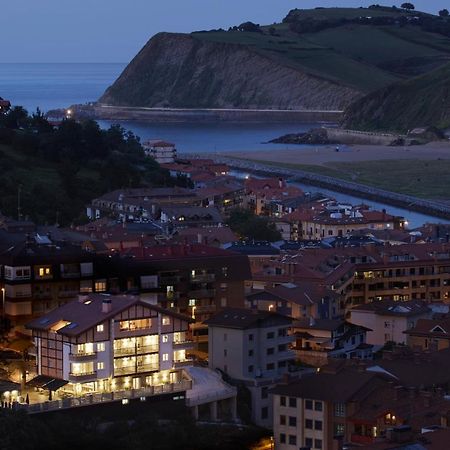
column 325, row 59
column 419, row 102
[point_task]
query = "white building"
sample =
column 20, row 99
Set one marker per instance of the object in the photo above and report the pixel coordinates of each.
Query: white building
column 388, row 319
column 163, row 152
column 103, row 343
column 252, row 347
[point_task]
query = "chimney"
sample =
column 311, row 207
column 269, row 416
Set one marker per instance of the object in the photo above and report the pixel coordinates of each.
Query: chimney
column 106, row 305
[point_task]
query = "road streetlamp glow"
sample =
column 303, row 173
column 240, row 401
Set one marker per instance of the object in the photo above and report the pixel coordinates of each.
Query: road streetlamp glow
column 3, row 302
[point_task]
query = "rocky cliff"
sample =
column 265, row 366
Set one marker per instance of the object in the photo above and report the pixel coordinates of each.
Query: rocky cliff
column 180, row 71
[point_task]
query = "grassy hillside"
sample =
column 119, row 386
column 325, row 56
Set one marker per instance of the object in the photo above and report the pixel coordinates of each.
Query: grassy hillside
column 417, row 102
column 363, row 56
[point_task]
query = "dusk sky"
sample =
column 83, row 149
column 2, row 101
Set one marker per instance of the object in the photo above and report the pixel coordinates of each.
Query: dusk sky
column 115, row 30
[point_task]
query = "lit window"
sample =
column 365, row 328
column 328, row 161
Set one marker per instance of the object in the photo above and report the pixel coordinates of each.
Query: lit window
column 101, row 346
column 166, row 320
column 165, row 338
column 100, row 286
column 192, row 302
column 100, row 365
column 165, row 357
column 100, row 328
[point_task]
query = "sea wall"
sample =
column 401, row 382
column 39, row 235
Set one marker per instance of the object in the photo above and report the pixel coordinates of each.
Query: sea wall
column 106, row 112
column 351, row 137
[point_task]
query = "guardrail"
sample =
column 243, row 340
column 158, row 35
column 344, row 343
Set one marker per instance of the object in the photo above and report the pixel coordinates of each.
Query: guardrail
column 106, row 397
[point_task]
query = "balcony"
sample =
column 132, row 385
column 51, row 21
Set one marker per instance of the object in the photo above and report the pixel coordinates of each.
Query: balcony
column 203, row 278
column 204, row 309
column 183, row 362
column 182, row 344
column 82, row 377
column 136, row 350
column 133, row 369
column 70, row 275
column 168, row 280
column 202, row 293
column 83, row 356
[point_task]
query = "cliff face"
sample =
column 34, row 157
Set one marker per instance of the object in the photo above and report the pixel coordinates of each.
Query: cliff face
column 177, row 70
column 419, row 102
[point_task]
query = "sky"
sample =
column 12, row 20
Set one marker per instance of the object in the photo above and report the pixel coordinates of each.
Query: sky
column 115, row 30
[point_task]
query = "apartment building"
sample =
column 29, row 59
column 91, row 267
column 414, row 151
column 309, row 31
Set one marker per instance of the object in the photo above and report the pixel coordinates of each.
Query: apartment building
column 388, row 320
column 318, row 340
column 429, row 334
column 252, row 348
column 402, row 272
column 39, row 274
column 103, row 343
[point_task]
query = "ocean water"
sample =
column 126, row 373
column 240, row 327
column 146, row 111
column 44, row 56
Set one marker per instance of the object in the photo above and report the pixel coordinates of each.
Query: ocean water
column 50, row 86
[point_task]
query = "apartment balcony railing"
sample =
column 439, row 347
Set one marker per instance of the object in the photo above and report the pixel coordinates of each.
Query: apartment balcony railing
column 83, row 356
column 70, row 274
column 132, row 369
column 137, row 350
column 183, row 362
column 107, row 397
column 81, row 377
column 203, row 278
column 202, row 293
column 205, row 309
column 183, row 344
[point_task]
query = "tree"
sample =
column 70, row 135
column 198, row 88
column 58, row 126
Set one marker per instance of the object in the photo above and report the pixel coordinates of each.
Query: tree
column 247, row 225
column 444, row 13
column 408, row 6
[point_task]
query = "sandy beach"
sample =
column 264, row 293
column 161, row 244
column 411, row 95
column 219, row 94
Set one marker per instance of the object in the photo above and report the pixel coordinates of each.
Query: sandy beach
column 323, row 155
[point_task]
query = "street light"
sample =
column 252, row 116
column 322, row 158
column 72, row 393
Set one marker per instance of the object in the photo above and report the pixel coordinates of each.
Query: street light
column 193, row 311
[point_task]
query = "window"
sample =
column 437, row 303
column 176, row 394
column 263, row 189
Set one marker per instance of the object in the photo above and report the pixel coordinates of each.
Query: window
column 264, row 392
column 270, row 335
column 225, row 271
column 318, row 425
column 223, row 302
column 250, row 368
column 282, row 420
column 250, row 353
column 100, row 365
column 250, row 337
column 339, row 409
column 308, row 442
column 270, row 366
column 165, row 357
column 270, row 351
column 225, row 352
column 165, row 338
column 339, row 429
column 292, row 402
column 282, row 401
column 308, row 404
column 292, row 421
column 308, row 424
column 100, row 328
column 282, row 348
column 192, row 302
column 281, row 364
column 131, row 325
column 282, row 332
column 292, row 439
column 317, row 443
column 318, row 406
column 166, row 320
column 264, row 412
column 282, row 438
column 100, row 285
column 101, row 347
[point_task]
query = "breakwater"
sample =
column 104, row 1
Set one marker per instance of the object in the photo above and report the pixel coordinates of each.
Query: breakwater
column 433, row 208
column 106, row 112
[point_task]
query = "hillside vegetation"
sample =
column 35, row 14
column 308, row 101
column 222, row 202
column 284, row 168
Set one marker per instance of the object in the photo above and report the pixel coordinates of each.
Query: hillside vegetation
column 59, row 170
column 418, row 102
column 324, row 58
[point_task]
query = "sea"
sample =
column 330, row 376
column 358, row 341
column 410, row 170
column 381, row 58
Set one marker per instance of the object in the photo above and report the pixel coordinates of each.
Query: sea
column 50, row 86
